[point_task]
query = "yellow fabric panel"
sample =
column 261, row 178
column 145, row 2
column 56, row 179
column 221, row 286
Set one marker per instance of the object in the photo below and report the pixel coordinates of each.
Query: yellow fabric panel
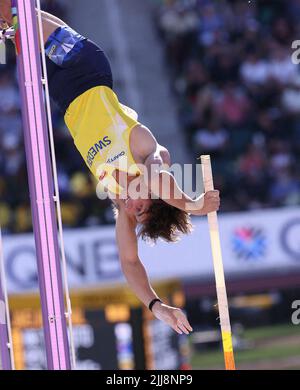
column 101, row 127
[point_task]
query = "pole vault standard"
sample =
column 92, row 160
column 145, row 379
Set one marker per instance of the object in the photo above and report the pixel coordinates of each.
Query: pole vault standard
column 41, row 185
column 6, row 346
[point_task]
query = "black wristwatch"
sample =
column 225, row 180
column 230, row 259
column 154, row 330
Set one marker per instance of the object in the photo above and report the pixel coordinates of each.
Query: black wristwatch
column 152, row 303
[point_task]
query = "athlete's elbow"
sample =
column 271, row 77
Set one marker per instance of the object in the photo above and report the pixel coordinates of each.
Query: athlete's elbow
column 129, row 267
column 128, row 262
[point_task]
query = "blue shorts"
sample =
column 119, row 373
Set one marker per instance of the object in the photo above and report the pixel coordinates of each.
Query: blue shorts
column 74, row 65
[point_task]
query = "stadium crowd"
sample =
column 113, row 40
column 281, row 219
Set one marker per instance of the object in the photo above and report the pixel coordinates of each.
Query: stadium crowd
column 238, row 94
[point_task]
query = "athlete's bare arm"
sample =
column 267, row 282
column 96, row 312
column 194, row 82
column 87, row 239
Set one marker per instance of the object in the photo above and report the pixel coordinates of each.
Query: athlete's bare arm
column 161, row 182
column 136, row 275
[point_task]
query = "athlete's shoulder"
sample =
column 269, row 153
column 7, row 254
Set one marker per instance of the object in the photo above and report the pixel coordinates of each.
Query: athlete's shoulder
column 143, row 141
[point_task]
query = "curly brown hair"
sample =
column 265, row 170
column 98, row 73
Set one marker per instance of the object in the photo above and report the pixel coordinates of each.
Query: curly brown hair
column 166, row 222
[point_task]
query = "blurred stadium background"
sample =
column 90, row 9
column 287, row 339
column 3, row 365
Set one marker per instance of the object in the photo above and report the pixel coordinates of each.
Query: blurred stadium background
column 208, row 77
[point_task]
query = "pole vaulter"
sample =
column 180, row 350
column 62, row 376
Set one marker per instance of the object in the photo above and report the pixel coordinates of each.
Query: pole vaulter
column 121, row 153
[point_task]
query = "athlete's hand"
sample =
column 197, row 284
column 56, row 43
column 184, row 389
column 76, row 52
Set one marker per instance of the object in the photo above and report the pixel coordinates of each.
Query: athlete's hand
column 173, row 317
column 211, row 203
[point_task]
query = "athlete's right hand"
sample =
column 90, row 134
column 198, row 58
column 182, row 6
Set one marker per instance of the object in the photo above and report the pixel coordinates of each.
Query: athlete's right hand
column 211, row 203
column 173, row 317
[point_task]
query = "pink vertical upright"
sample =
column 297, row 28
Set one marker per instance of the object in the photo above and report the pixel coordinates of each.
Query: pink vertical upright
column 40, row 178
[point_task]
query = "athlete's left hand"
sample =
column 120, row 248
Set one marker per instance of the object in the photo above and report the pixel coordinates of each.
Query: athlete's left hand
column 173, row 317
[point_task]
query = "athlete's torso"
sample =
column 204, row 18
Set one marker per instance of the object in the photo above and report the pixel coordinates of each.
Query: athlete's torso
column 80, row 82
column 101, row 128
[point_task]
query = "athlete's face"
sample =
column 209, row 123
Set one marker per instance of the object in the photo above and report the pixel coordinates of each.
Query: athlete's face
column 138, row 208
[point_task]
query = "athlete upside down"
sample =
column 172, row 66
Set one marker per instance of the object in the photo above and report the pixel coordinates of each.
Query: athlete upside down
column 108, row 135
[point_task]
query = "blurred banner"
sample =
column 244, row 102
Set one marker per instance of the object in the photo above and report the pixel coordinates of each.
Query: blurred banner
column 113, row 330
column 256, row 241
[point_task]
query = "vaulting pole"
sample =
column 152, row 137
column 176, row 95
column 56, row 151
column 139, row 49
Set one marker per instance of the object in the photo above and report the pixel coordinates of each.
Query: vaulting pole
column 41, row 185
column 219, row 269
